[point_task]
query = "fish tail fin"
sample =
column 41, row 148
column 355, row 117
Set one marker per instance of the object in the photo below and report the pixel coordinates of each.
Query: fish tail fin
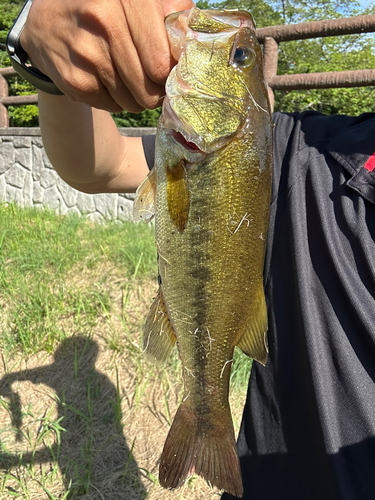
column 209, row 452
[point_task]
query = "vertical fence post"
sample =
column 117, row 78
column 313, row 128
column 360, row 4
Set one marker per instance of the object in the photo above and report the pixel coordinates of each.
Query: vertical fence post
column 271, row 57
column 4, row 119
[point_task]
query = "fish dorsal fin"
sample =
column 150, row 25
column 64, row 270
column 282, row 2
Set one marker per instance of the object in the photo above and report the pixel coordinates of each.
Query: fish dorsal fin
column 178, row 198
column 158, row 337
column 145, row 199
column 254, row 341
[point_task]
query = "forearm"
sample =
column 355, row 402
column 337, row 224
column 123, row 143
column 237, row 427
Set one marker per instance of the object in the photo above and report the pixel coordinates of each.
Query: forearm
column 86, row 149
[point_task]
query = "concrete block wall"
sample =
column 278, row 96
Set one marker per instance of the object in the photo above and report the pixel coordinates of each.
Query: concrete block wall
column 28, row 178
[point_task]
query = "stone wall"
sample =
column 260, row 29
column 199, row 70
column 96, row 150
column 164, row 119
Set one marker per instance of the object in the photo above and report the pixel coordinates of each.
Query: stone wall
column 28, row 178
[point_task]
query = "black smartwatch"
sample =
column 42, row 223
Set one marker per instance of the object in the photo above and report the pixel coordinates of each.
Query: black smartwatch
column 19, row 58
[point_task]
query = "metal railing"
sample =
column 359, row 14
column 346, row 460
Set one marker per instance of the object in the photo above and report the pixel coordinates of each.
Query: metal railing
column 270, row 37
column 6, row 100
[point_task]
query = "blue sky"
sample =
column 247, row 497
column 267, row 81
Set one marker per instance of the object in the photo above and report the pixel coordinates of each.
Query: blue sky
column 365, row 3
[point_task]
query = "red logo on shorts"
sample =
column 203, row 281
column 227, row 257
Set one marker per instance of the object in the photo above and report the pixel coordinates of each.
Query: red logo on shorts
column 370, row 163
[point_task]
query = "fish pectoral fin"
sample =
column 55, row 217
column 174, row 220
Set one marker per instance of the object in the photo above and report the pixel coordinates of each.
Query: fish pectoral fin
column 253, row 343
column 158, row 336
column 145, row 199
column 178, row 197
column 203, row 446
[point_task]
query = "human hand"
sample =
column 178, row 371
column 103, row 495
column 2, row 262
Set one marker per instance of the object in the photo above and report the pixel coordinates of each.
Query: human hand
column 109, row 54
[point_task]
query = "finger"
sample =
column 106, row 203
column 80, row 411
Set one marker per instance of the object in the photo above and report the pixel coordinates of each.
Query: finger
column 131, row 69
column 94, row 79
column 151, row 42
column 122, row 96
column 91, row 76
column 93, row 93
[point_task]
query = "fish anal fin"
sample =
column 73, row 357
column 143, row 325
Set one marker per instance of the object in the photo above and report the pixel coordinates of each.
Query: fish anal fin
column 178, row 197
column 145, row 199
column 254, row 341
column 158, row 335
column 211, row 454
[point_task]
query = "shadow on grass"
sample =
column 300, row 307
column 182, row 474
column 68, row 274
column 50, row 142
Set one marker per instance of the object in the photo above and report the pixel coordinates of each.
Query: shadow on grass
column 90, row 449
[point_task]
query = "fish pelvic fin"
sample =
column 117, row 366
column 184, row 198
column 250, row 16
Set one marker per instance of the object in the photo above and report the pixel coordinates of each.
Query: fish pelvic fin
column 145, row 199
column 158, row 334
column 254, row 341
column 201, row 447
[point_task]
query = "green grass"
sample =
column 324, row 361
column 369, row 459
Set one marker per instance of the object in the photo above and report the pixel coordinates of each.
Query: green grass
column 43, row 260
column 66, row 286
column 41, row 242
column 241, row 369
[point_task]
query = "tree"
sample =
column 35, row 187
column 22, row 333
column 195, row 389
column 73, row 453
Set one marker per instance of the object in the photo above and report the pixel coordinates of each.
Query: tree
column 316, row 55
column 263, row 12
column 324, row 54
column 19, row 116
column 148, row 118
column 8, row 12
column 302, row 56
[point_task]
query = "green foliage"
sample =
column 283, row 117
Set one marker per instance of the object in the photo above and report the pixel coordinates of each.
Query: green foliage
column 263, row 12
column 8, row 12
column 300, row 11
column 316, row 55
column 322, row 55
column 203, row 4
column 148, row 118
column 23, row 116
column 327, row 54
column 303, row 56
column 20, row 116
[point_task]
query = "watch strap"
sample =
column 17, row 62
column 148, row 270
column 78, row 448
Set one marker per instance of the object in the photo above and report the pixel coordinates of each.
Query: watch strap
column 18, row 57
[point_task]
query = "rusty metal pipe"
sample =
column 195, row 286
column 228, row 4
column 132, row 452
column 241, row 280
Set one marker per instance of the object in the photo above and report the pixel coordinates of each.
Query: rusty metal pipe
column 315, row 29
column 4, row 120
column 334, row 79
column 270, row 57
column 270, row 37
column 18, row 100
column 8, row 72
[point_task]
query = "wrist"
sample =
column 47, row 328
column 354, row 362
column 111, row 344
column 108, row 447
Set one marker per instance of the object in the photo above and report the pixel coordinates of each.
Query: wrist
column 19, row 57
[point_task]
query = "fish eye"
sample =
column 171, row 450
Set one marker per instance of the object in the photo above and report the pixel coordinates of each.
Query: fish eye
column 242, row 56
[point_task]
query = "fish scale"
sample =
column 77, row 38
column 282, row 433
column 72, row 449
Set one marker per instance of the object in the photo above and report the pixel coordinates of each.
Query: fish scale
column 210, row 192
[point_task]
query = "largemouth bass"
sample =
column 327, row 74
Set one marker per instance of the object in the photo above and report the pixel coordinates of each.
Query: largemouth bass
column 210, row 193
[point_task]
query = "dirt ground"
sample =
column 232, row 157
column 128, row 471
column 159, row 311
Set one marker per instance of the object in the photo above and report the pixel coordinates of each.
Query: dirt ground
column 89, row 422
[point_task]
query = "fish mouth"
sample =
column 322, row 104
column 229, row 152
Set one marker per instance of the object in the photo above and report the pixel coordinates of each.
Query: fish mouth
column 180, row 131
column 189, row 145
column 185, row 135
column 179, row 25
